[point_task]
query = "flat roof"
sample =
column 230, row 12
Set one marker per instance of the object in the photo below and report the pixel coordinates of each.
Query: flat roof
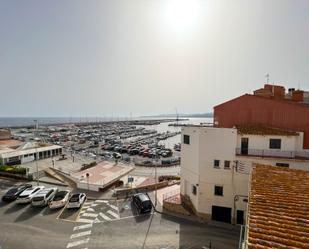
column 103, row 173
column 7, row 153
column 278, row 215
column 257, row 129
column 10, row 142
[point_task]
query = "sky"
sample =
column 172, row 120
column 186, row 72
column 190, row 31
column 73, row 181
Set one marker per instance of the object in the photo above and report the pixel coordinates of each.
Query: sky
column 100, row 58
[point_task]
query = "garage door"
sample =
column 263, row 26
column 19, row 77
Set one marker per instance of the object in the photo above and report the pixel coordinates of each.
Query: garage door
column 222, row 214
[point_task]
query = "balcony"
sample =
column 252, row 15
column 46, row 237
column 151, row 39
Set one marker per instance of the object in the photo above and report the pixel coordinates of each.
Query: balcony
column 302, row 155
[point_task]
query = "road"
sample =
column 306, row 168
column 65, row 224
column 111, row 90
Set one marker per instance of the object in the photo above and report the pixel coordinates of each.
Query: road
column 104, row 224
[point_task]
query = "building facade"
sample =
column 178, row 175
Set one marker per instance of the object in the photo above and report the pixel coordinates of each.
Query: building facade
column 270, row 106
column 216, row 163
column 27, row 152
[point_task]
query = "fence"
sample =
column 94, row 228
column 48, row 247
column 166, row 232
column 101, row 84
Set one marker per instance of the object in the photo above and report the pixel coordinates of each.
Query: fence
column 172, row 195
column 273, row 153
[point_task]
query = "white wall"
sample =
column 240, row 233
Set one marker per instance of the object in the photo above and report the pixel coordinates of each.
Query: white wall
column 208, row 144
column 189, row 163
column 293, row 163
column 259, row 142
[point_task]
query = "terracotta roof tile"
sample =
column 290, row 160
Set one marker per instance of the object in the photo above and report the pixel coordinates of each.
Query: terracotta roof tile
column 278, row 208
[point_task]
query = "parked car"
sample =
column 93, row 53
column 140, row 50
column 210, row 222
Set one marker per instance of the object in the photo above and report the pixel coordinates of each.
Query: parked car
column 27, row 195
column 76, row 200
column 60, row 199
column 43, row 197
column 142, row 203
column 13, row 193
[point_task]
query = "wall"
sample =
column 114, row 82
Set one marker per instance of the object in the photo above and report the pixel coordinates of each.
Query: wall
column 293, row 163
column 5, row 134
column 219, row 144
column 189, row 163
column 250, row 109
column 197, row 167
column 259, row 142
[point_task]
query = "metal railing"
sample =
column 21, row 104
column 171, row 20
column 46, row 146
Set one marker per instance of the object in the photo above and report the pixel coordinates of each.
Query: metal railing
column 272, row 153
column 172, row 195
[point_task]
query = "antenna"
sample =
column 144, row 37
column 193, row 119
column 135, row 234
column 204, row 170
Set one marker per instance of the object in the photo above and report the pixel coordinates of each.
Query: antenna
column 267, row 78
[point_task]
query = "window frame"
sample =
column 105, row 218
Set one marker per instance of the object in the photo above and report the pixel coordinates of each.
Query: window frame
column 273, row 143
column 214, row 164
column 186, row 139
column 216, row 188
column 229, row 164
column 194, row 189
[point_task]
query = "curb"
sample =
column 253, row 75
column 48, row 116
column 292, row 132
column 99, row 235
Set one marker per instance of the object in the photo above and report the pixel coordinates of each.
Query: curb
column 54, row 183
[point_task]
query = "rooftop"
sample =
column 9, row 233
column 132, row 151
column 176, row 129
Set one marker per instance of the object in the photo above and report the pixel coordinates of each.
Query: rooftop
column 278, row 214
column 256, row 129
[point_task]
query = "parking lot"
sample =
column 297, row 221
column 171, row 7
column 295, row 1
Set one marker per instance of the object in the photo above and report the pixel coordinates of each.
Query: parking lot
column 103, row 223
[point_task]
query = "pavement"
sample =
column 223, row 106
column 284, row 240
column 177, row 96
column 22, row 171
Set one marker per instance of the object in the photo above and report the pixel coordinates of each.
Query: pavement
column 104, row 223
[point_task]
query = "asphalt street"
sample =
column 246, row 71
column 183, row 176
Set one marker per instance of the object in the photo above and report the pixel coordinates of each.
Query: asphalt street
column 104, row 224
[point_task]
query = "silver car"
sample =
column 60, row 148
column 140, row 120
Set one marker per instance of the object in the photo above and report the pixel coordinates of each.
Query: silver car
column 43, row 197
column 60, row 199
column 27, row 195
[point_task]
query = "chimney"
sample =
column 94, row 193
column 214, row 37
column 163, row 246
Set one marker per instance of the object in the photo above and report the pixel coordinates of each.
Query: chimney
column 298, row 96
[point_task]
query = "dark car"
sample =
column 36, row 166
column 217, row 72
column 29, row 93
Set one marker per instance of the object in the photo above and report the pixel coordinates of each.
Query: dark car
column 13, row 193
column 142, row 203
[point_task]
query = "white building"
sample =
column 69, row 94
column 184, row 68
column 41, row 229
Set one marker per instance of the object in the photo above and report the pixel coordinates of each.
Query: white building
column 216, row 163
column 27, row 152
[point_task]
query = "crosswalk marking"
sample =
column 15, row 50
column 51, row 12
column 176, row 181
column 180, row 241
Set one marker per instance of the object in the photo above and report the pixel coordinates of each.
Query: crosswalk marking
column 113, row 214
column 77, row 243
column 90, row 210
column 82, row 227
column 77, row 235
column 89, row 215
column 104, row 216
column 85, row 220
column 101, row 201
column 112, row 206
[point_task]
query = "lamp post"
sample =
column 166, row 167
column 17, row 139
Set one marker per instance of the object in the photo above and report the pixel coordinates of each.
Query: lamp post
column 36, row 152
column 87, row 176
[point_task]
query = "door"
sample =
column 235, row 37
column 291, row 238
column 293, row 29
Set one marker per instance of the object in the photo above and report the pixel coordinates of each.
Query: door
column 240, row 217
column 244, row 145
column 222, row 214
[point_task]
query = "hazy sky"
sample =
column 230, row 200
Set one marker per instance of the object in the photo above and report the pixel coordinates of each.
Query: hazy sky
column 116, row 57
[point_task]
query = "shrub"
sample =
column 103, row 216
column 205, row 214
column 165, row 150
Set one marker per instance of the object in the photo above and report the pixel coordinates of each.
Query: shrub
column 13, row 169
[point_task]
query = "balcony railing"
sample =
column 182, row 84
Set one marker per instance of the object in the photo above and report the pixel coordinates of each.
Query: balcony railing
column 273, row 153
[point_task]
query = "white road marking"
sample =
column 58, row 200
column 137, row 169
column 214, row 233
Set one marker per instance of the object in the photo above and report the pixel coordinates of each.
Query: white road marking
column 85, row 221
column 89, row 215
column 101, row 201
column 94, row 205
column 112, row 206
column 104, row 216
column 77, row 235
column 82, row 227
column 113, row 214
column 78, row 242
column 90, row 210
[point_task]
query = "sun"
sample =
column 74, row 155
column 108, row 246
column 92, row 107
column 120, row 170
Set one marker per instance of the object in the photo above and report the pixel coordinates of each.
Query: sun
column 181, row 16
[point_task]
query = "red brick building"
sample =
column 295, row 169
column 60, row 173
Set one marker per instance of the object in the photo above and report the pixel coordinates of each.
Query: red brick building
column 269, row 106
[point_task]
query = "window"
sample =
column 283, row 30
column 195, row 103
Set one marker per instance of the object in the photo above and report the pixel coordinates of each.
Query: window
column 227, row 164
column 186, row 139
column 219, row 190
column 194, row 189
column 286, row 165
column 274, row 143
column 216, row 164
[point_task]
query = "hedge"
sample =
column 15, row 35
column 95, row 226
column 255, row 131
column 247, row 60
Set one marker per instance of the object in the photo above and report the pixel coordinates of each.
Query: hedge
column 13, row 169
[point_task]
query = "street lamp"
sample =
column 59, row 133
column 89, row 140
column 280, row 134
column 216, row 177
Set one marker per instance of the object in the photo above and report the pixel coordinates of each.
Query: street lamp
column 36, row 152
column 87, row 176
